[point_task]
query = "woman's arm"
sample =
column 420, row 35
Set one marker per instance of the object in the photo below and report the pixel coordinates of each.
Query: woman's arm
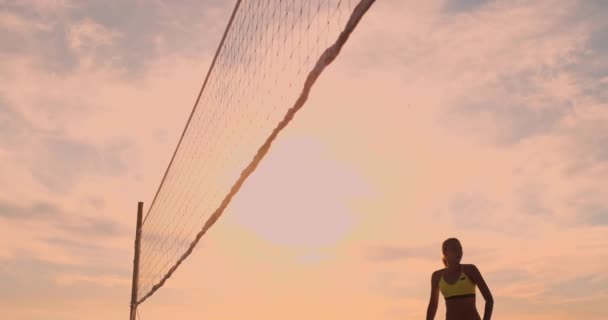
column 434, row 300
column 485, row 291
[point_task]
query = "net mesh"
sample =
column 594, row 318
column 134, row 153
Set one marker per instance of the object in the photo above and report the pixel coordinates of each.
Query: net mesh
column 269, row 57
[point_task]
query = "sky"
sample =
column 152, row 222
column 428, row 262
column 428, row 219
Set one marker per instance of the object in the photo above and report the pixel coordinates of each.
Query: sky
column 481, row 120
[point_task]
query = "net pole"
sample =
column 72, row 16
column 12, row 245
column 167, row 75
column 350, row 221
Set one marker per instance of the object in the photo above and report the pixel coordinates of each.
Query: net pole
column 134, row 286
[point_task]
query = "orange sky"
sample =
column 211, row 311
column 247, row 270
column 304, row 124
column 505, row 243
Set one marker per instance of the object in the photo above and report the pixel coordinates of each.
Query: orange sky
column 480, row 120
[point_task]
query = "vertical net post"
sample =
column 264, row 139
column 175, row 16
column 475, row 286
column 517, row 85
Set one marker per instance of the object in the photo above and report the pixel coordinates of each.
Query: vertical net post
column 134, row 286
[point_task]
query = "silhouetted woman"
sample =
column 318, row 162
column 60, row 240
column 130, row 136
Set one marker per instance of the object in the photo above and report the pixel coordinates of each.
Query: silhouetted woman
column 457, row 283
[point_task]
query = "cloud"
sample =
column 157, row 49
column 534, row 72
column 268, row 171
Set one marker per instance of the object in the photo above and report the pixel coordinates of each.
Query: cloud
column 95, row 259
column 460, row 6
column 584, row 286
column 531, row 200
column 73, row 244
column 45, row 213
column 89, row 35
column 592, row 212
column 508, row 275
column 94, row 226
column 586, row 138
column 533, row 96
column 594, row 11
column 520, row 105
column 396, row 253
column 110, row 281
column 92, row 43
column 97, row 202
column 59, row 162
column 56, row 160
column 514, row 118
column 35, row 211
column 56, row 253
column 28, row 34
column 14, row 128
column 599, row 217
column 41, row 282
column 473, row 210
column 66, row 36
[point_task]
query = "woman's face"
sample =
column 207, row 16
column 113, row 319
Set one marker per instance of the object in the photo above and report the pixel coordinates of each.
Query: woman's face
column 453, row 252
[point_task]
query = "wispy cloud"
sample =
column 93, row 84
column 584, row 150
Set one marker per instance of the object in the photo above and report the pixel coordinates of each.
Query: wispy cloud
column 55, row 159
column 14, row 129
column 394, row 253
column 584, row 286
column 35, row 211
column 47, row 213
column 60, row 161
column 42, row 282
column 460, row 6
column 66, row 36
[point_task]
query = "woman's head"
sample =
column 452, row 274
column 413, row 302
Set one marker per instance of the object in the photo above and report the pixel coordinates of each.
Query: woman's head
column 452, row 252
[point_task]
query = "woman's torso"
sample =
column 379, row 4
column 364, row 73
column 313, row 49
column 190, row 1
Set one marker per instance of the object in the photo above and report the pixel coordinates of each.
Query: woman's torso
column 459, row 294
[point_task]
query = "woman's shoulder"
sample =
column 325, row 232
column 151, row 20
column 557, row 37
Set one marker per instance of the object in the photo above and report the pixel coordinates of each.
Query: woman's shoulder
column 437, row 273
column 469, row 267
column 470, row 270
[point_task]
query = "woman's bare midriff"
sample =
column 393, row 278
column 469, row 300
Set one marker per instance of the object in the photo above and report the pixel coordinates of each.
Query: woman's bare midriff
column 461, row 309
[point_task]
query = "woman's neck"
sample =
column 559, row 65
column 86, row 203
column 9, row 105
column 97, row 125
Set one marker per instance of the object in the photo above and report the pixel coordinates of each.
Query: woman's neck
column 453, row 267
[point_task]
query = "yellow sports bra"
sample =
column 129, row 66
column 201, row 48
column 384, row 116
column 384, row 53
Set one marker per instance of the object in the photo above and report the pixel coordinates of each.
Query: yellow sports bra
column 462, row 288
